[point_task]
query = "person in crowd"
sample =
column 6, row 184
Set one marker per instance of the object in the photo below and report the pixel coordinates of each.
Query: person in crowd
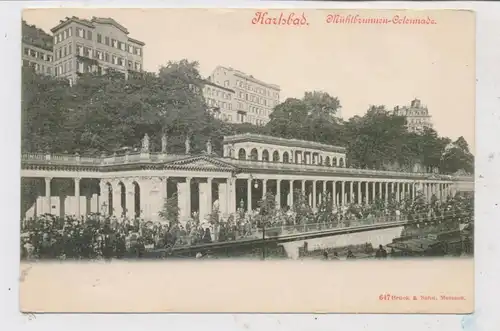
column 96, row 236
column 350, row 255
column 381, row 253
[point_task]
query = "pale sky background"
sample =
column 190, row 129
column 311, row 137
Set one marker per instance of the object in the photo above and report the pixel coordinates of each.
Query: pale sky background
column 362, row 65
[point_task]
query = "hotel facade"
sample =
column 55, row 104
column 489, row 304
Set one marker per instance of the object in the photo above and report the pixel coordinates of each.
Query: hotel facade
column 82, row 46
column 252, row 101
column 136, row 185
column 37, row 48
column 417, row 116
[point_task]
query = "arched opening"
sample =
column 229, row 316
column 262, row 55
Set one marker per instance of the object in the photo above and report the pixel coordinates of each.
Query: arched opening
column 109, row 188
column 341, row 162
column 276, row 156
column 137, row 200
column 123, row 200
column 265, row 155
column 286, row 158
column 242, row 154
column 334, row 162
column 254, row 155
column 327, row 161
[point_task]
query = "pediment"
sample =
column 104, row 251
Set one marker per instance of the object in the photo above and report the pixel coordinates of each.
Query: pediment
column 201, row 163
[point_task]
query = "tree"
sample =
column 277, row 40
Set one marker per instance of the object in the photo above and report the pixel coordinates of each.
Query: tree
column 43, row 112
column 457, row 157
column 170, row 211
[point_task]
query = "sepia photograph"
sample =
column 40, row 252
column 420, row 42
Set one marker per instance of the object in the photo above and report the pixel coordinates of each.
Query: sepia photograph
column 245, row 148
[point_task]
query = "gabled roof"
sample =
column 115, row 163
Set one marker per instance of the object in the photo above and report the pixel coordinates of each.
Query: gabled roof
column 203, row 163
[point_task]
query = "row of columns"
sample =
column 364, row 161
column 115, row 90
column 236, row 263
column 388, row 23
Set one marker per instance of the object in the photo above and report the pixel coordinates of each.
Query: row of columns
column 401, row 189
column 287, row 156
column 152, row 192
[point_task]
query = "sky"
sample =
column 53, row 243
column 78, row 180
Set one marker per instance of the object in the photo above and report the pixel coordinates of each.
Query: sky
column 360, row 64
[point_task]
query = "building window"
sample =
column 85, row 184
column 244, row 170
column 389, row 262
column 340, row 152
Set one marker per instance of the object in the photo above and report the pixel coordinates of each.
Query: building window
column 130, row 49
column 114, row 59
column 60, row 52
column 121, row 62
column 99, row 38
column 89, row 35
column 79, row 50
column 106, row 40
column 88, row 52
column 80, row 32
column 130, row 64
column 69, row 50
column 65, row 51
column 114, row 43
column 106, row 57
column 70, row 32
column 138, row 51
column 26, row 63
column 122, row 46
column 26, row 51
column 137, row 66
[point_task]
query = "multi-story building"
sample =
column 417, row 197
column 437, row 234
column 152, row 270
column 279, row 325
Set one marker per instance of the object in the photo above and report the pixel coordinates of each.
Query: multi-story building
column 417, row 116
column 95, row 45
column 219, row 101
column 37, row 49
column 253, row 99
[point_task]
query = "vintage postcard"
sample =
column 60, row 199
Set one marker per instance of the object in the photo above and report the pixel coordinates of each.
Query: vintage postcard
column 247, row 160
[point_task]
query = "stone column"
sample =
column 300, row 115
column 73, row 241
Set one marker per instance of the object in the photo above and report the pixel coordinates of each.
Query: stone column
column 334, row 193
column 209, row 194
column 374, row 189
column 164, row 187
column 224, row 197
column 398, row 194
column 249, row 194
column 291, row 192
column 386, row 192
column 342, row 192
column 77, row 197
column 314, row 198
column 380, row 190
column 303, row 187
column 404, row 190
column 188, row 197
column 231, row 195
column 351, row 191
column 117, row 199
column 324, row 192
column 367, row 192
column 48, row 205
column 278, row 193
column 360, row 197
column 130, row 199
column 264, row 188
column 153, row 198
column 103, row 198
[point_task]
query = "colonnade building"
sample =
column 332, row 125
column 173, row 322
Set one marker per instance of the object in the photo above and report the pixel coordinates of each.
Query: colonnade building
column 136, row 185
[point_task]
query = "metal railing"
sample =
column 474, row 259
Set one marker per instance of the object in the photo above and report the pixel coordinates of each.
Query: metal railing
column 253, row 233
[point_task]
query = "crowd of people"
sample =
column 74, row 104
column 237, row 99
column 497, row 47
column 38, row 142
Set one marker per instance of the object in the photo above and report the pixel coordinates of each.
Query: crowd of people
column 98, row 236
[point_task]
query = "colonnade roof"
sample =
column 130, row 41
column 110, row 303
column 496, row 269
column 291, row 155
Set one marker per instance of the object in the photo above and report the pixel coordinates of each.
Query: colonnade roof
column 210, row 163
column 293, row 143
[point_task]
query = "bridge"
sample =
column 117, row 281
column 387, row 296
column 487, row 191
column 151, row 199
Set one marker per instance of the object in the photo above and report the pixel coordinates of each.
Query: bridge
column 380, row 231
